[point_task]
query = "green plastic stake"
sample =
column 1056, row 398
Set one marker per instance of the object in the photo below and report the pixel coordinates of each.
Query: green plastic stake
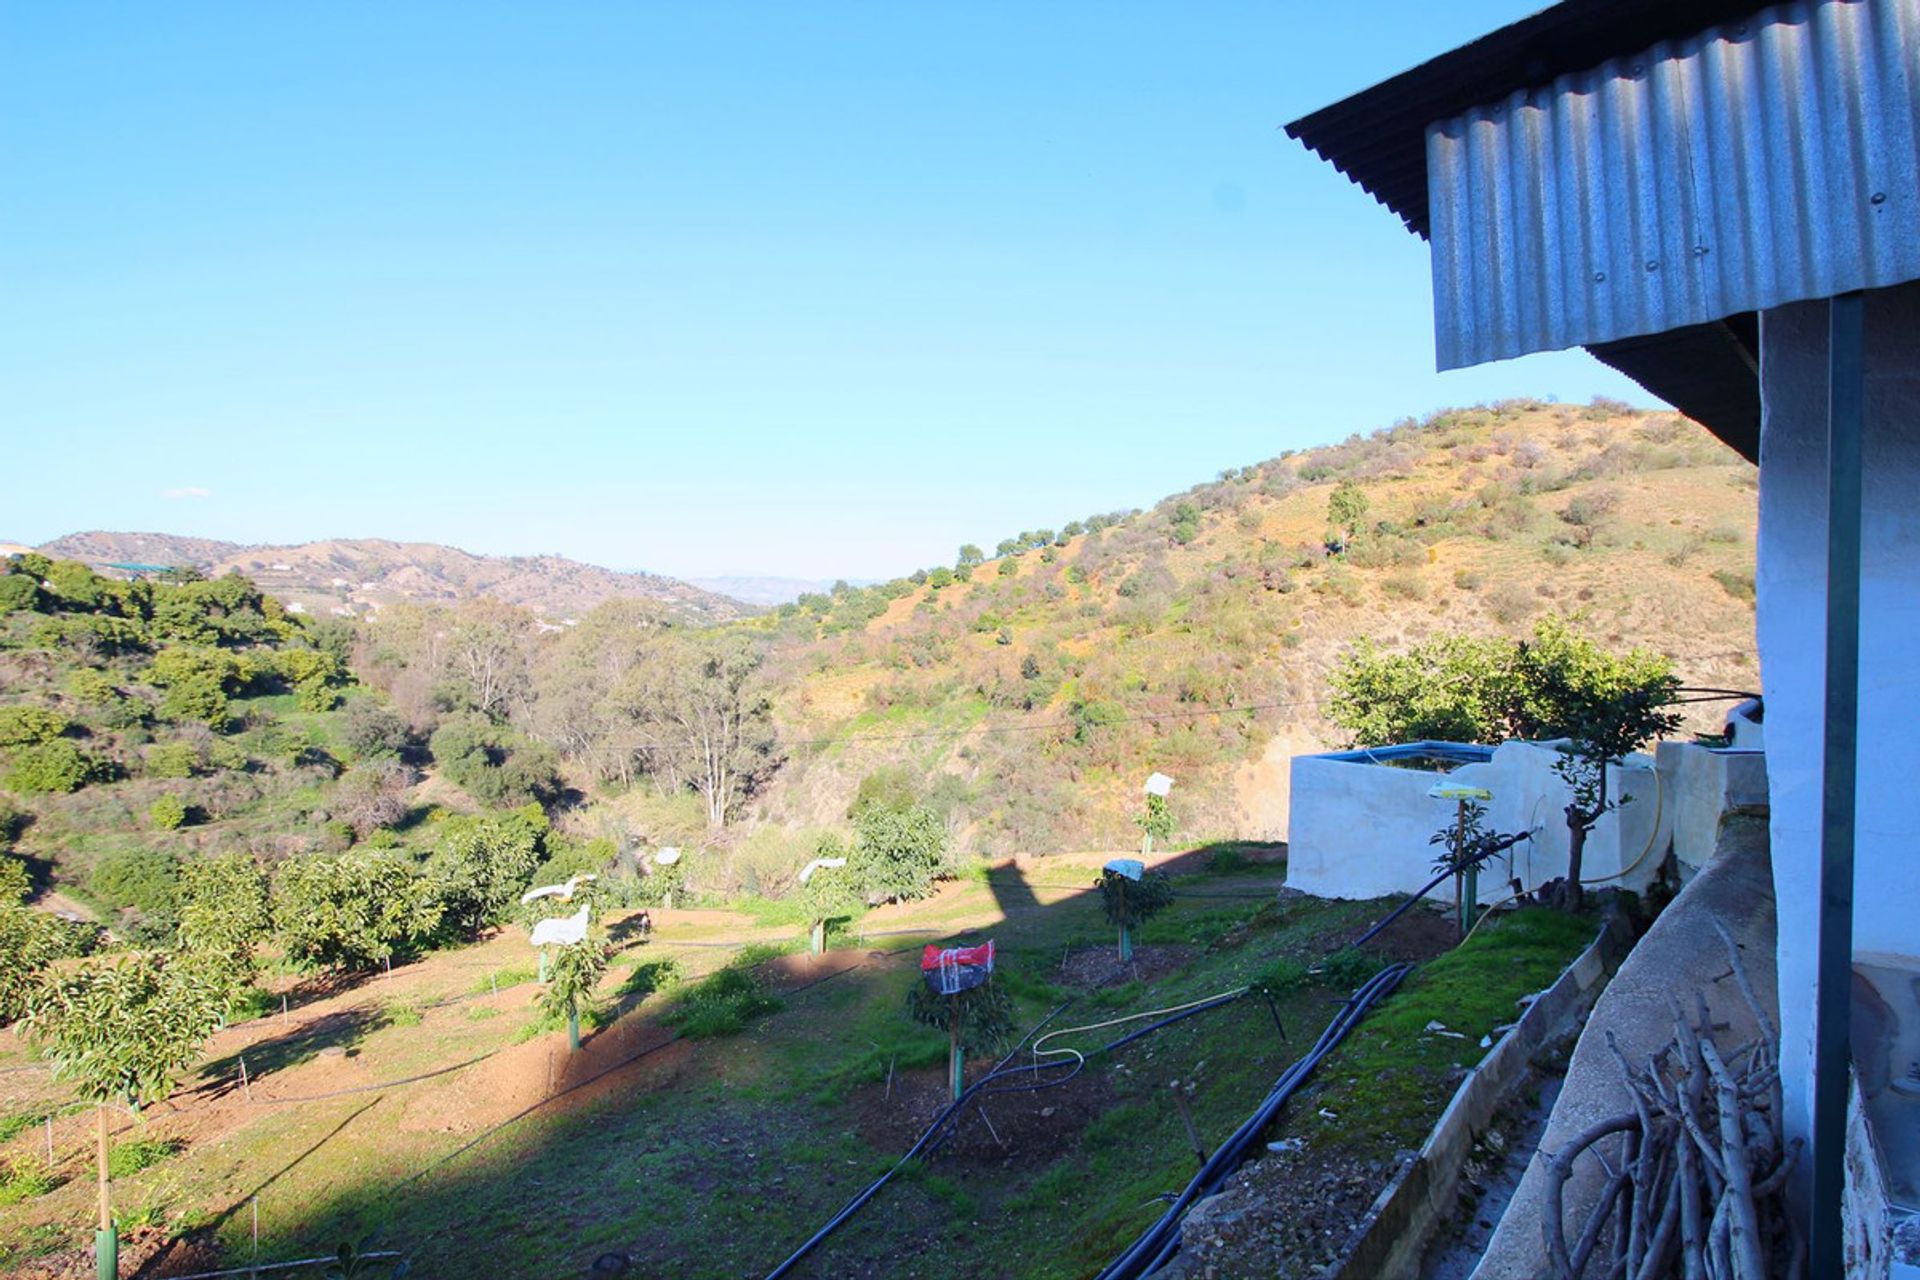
column 106, row 1248
column 573, row 1028
column 543, row 964
column 819, row 937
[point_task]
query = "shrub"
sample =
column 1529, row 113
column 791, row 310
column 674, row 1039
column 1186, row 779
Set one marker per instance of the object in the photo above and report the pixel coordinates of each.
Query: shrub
column 1736, row 584
column 167, row 812
column 172, row 760
column 51, row 767
column 25, row 725
column 497, row 766
column 369, row 728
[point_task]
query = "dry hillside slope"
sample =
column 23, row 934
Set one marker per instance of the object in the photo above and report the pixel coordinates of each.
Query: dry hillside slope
column 1040, row 690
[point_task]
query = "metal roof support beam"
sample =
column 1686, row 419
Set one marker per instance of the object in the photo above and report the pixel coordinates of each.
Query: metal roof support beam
column 1846, row 397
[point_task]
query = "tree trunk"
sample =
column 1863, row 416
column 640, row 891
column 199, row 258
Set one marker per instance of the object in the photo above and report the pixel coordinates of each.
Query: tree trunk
column 106, row 1241
column 1578, row 825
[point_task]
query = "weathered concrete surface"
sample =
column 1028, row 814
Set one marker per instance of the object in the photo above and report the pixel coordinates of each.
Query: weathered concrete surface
column 1701, row 788
column 1403, row 1218
column 1681, row 954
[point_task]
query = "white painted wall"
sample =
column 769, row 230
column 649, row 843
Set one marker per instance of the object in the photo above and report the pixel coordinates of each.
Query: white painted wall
column 1701, row 786
column 1361, row 830
column 1792, row 595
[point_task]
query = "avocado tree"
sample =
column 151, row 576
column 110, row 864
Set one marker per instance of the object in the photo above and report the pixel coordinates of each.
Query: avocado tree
column 1131, row 895
column 224, row 914
column 575, row 972
column 828, row 891
column 121, row 1033
column 957, row 994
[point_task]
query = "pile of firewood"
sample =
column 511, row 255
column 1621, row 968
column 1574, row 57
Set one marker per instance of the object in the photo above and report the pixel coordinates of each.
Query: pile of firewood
column 1695, row 1175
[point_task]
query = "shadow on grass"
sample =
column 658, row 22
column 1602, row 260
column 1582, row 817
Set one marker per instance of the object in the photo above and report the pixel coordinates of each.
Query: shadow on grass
column 339, row 1032
column 716, row 1158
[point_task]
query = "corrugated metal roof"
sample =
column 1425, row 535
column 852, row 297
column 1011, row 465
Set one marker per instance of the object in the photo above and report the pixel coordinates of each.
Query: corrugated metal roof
column 1766, row 161
column 1379, row 137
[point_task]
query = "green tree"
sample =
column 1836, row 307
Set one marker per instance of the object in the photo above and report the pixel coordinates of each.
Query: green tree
column 29, row 941
column 1130, row 903
column 575, row 973
column 970, row 556
column 225, row 913
column 1488, row 689
column 352, row 911
column 482, row 866
column 828, row 894
column 1155, row 821
column 977, row 1020
column 51, row 767
column 1346, row 508
column 898, row 852
column 120, row 1032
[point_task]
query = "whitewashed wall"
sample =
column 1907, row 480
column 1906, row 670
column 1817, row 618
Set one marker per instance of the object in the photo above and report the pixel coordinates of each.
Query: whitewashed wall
column 1792, row 595
column 1360, row 830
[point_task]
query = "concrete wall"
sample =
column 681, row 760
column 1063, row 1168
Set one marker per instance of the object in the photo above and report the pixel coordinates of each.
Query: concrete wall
column 1701, row 788
column 1792, row 593
column 1361, row 830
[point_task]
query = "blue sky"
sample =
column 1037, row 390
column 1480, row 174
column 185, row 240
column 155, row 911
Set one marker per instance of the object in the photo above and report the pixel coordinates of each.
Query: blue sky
column 811, row 289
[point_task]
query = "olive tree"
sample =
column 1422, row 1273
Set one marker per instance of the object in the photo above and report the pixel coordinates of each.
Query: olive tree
column 121, row 1033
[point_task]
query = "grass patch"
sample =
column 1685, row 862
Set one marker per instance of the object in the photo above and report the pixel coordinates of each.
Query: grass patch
column 402, row 1013
column 25, row 1180
column 16, row 1123
column 511, row 975
column 591, row 1020
column 129, row 1158
column 1391, row 1077
column 1344, row 970
column 725, row 1001
column 649, row 976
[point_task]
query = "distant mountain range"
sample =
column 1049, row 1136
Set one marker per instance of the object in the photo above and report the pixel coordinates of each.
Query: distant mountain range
column 357, row 575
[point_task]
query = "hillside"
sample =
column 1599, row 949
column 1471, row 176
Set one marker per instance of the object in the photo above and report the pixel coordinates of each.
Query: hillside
column 1034, row 694
column 356, row 575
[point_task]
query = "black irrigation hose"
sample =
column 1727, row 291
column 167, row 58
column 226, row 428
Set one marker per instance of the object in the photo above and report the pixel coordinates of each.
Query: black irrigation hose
column 935, row 1136
column 1400, row 910
column 1162, row 1240
column 872, row 1189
